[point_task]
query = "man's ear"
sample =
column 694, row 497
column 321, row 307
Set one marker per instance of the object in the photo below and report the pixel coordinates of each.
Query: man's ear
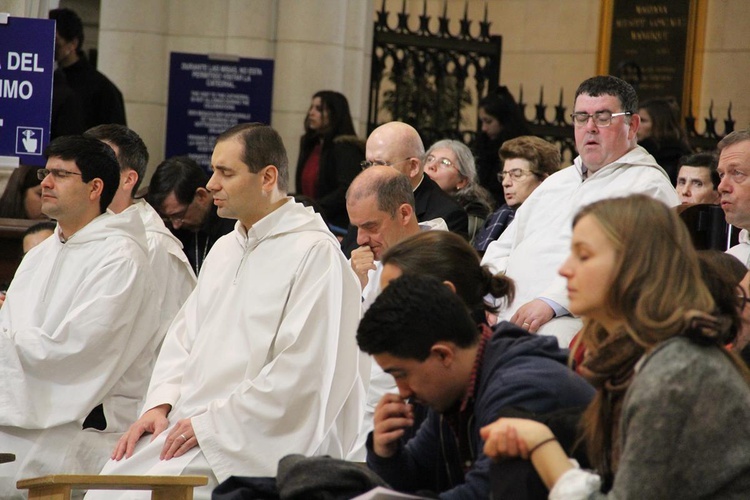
column 635, row 123
column 405, row 212
column 415, row 167
column 128, row 179
column 96, row 186
column 270, row 177
column 443, row 352
column 450, row 285
column 203, row 196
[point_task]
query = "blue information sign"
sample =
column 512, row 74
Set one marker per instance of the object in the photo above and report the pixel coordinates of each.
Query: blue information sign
column 209, row 94
column 27, row 48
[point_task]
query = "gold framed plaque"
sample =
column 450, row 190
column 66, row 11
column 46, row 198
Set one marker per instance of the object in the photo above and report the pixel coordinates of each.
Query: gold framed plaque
column 657, row 46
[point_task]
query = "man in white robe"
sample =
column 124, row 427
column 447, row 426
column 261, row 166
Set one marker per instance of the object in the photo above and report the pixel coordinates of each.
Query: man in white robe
column 79, row 327
column 172, row 272
column 262, row 360
column 380, row 203
column 610, row 164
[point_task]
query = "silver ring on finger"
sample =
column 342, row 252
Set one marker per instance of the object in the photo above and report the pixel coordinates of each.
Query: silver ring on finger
column 183, row 437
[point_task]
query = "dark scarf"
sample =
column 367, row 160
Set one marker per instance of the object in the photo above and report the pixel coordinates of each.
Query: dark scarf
column 611, row 370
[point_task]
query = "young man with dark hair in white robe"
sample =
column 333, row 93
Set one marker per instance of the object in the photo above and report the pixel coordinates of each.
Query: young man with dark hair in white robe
column 262, row 361
column 79, row 329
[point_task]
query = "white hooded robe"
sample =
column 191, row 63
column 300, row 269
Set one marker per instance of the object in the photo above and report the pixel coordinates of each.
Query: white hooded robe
column 537, row 242
column 79, row 328
column 262, row 358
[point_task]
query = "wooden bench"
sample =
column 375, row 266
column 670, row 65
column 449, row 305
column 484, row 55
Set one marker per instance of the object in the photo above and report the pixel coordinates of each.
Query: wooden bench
column 59, row 487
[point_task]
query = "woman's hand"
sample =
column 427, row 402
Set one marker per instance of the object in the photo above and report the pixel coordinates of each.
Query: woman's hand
column 513, row 437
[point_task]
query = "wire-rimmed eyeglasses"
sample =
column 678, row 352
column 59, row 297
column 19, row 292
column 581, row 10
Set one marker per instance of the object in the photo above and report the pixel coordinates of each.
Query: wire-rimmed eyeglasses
column 441, row 162
column 515, row 173
column 57, row 173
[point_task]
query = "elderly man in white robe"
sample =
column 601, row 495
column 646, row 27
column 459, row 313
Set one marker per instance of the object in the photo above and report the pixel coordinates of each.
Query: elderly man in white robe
column 610, row 164
column 173, row 275
column 79, row 327
column 262, row 360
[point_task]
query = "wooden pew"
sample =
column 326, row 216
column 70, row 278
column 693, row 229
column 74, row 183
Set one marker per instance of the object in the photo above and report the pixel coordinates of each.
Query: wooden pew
column 59, row 487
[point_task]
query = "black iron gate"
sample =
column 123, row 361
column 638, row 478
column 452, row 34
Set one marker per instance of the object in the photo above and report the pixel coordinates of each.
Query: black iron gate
column 431, row 78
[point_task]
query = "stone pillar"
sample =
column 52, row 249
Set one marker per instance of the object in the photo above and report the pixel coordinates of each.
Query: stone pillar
column 133, row 41
column 321, row 45
column 316, row 44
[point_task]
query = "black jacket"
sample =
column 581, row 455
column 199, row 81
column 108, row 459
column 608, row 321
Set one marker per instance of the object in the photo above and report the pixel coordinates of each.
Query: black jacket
column 432, row 202
column 339, row 165
column 102, row 101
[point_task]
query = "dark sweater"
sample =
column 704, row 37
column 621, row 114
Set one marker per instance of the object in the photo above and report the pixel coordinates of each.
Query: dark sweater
column 102, row 101
column 519, row 370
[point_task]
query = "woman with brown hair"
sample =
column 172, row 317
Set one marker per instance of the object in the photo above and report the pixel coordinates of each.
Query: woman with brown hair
column 500, row 119
column 662, row 134
column 449, row 258
column 22, row 198
column 526, row 162
column 670, row 416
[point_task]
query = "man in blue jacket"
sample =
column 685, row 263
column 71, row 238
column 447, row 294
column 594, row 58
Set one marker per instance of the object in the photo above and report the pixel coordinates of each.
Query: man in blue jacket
column 420, row 332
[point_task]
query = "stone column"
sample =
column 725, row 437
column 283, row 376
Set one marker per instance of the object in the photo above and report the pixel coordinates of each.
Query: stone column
column 316, row 44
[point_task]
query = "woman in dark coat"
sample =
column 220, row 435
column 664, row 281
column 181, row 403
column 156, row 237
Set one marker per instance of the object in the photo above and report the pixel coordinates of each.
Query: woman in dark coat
column 663, row 135
column 330, row 156
column 501, row 120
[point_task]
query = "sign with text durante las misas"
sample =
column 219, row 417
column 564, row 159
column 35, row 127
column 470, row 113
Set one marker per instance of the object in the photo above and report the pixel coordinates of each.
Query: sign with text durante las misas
column 27, row 48
column 209, row 94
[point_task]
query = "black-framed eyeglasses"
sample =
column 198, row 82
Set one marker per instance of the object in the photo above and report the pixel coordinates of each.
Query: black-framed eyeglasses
column 601, row 118
column 367, row 164
column 57, row 173
column 515, row 173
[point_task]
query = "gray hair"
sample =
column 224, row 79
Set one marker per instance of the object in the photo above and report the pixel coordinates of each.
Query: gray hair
column 466, row 164
column 467, row 168
column 733, row 138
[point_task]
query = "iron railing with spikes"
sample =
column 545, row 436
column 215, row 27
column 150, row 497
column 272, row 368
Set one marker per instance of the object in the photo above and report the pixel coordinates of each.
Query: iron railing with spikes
column 426, row 76
column 560, row 131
